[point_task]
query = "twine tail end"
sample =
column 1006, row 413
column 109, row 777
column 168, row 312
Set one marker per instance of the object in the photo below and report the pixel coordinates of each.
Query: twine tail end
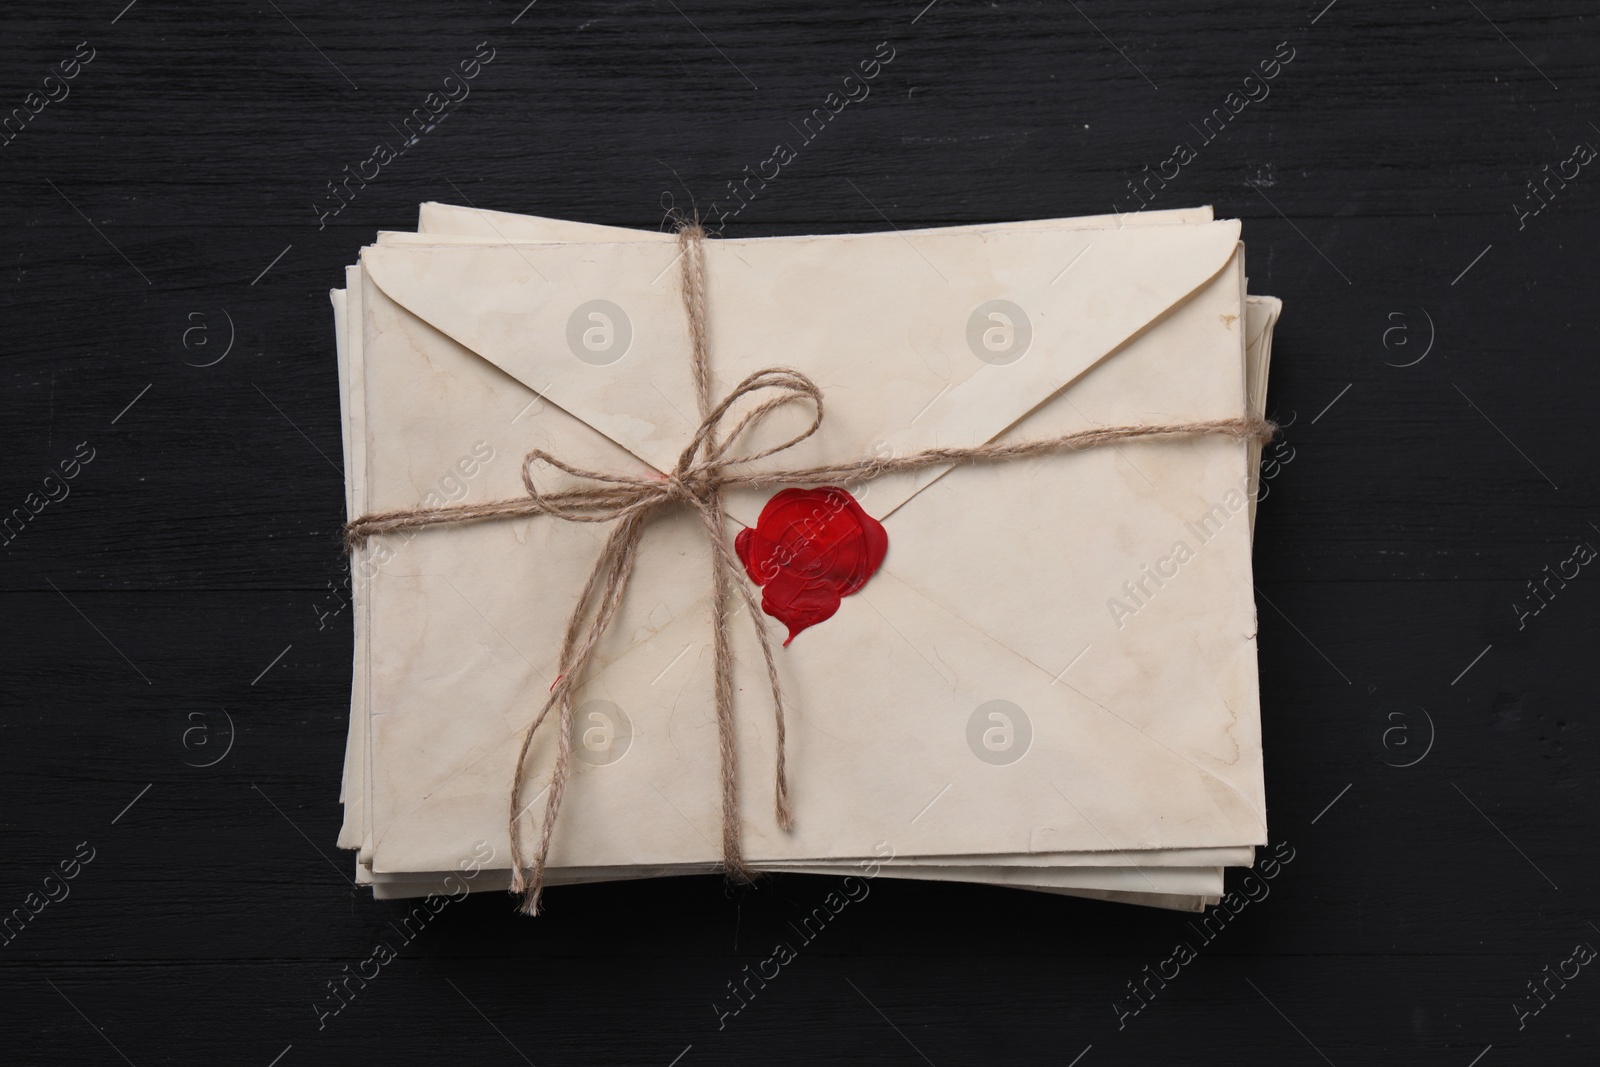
column 529, row 890
column 530, row 902
column 781, row 807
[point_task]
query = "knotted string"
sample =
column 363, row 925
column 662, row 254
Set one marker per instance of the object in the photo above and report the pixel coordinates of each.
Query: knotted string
column 704, row 469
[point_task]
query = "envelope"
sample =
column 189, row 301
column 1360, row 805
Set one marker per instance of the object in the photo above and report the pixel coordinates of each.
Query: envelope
column 416, row 324
column 437, row 218
column 472, row 221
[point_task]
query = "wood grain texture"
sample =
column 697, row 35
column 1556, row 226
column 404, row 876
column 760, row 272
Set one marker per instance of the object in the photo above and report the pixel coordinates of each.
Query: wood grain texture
column 174, row 188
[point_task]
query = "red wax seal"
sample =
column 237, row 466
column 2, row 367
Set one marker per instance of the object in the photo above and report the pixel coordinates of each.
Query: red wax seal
column 809, row 548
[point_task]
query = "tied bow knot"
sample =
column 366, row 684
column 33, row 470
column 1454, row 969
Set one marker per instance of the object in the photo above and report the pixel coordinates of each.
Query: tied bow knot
column 706, row 465
column 703, row 468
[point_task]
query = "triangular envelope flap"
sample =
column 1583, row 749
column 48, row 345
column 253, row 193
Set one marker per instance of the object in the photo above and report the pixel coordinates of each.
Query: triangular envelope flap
column 944, row 340
column 1127, row 280
column 597, row 329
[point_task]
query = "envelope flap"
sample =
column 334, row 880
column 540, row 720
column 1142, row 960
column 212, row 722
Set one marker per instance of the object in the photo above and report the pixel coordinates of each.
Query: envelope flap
column 1117, row 287
column 1119, row 284
column 536, row 312
column 920, row 340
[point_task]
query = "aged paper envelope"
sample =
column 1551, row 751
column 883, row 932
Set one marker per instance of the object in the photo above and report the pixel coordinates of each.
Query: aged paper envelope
column 1261, row 313
column 598, row 447
column 442, row 217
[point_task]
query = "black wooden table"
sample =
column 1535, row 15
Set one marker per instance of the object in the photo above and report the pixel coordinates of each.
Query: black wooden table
column 1417, row 184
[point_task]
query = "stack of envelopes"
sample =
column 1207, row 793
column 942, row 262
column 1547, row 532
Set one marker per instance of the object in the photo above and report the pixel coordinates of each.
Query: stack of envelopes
column 1050, row 684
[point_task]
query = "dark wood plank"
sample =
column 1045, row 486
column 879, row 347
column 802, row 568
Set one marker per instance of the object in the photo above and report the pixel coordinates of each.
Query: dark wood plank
column 1431, row 757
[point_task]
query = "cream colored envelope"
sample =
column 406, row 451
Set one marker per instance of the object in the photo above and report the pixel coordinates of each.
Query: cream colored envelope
column 1183, row 881
column 401, row 356
column 439, row 217
column 1036, row 859
column 446, row 219
column 1152, row 898
column 1261, row 311
column 401, row 887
